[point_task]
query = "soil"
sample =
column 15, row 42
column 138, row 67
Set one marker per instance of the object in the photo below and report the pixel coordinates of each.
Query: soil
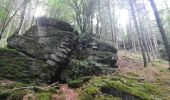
column 68, row 94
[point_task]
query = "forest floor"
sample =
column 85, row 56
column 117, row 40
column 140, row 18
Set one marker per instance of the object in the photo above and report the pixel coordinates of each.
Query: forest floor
column 67, row 93
column 131, row 65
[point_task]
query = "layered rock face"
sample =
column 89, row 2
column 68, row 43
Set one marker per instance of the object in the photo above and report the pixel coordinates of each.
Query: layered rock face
column 92, row 57
column 55, row 43
column 50, row 41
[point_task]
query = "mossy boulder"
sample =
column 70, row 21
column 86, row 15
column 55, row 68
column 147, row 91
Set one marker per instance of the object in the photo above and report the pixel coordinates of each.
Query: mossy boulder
column 51, row 46
column 50, row 41
column 118, row 87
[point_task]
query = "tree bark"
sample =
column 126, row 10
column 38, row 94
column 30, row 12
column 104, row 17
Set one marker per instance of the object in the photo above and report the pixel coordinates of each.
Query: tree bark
column 137, row 30
column 161, row 29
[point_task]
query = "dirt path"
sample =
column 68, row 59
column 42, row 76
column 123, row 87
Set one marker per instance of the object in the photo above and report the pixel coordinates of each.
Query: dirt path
column 67, row 93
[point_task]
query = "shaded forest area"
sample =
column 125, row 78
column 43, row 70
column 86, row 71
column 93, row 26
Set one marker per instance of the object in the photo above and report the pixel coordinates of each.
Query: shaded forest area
column 84, row 49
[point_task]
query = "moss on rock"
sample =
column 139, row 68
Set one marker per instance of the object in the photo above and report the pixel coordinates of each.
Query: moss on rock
column 18, row 67
column 118, row 87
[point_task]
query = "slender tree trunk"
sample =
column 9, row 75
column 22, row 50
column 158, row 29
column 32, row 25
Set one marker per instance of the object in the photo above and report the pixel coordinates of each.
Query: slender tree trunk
column 110, row 18
column 131, row 33
column 124, row 44
column 162, row 31
column 21, row 18
column 137, row 30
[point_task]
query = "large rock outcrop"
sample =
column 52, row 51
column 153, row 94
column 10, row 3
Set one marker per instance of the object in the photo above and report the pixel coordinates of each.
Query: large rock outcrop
column 50, row 41
column 56, row 45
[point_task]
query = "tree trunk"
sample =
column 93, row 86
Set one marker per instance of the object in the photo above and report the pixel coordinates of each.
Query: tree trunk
column 137, row 30
column 162, row 31
column 21, row 18
column 110, row 18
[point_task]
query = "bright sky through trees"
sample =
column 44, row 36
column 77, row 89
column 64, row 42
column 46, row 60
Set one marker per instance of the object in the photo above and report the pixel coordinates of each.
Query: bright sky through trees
column 122, row 14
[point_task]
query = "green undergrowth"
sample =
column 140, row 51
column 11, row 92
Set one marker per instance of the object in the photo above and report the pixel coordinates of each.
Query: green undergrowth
column 44, row 96
column 78, row 82
column 117, row 88
column 13, row 90
column 16, row 91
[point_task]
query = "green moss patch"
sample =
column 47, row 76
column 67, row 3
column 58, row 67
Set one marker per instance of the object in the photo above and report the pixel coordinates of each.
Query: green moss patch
column 78, row 82
column 17, row 67
column 12, row 65
column 44, row 96
column 75, row 83
column 118, row 87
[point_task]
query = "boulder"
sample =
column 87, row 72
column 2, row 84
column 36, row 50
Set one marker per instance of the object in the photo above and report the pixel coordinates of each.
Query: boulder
column 56, row 45
column 50, row 41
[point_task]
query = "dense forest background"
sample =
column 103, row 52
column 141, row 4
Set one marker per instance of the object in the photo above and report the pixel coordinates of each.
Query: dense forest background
column 128, row 24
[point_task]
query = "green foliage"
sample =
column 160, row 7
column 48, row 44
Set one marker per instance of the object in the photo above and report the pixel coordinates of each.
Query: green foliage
column 82, row 69
column 17, row 95
column 166, row 20
column 4, row 9
column 2, row 14
column 52, row 90
column 75, row 83
column 44, row 96
column 4, row 95
column 78, row 82
column 76, row 67
column 92, row 90
column 61, row 10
